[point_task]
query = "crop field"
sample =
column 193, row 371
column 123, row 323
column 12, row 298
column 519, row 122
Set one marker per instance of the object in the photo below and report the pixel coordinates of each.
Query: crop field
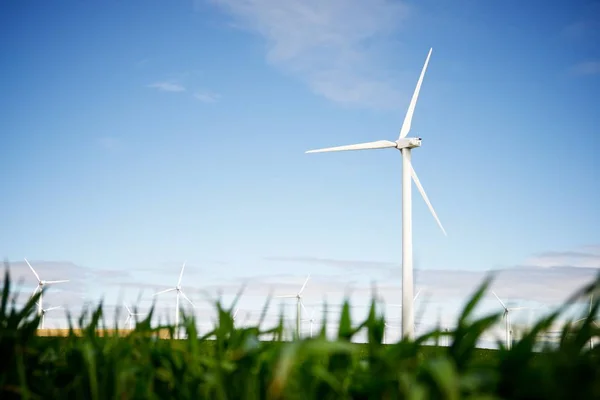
column 91, row 361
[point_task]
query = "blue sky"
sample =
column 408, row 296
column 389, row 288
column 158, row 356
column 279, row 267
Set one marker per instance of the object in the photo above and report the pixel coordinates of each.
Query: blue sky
column 138, row 134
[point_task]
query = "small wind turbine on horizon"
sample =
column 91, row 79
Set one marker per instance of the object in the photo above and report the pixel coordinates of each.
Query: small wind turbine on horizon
column 310, row 319
column 405, row 145
column 506, row 316
column 44, row 311
column 40, row 287
column 130, row 316
column 299, row 303
column 179, row 291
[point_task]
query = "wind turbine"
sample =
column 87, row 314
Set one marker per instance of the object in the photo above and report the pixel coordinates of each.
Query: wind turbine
column 179, row 292
column 299, row 303
column 311, row 319
column 39, row 287
column 130, row 316
column 44, row 311
column 405, row 145
column 506, row 316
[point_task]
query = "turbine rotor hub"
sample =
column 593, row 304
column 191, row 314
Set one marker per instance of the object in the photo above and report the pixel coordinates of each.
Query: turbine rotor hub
column 408, row 143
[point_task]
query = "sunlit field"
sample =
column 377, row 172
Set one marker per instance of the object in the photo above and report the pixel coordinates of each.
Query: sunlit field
column 92, row 361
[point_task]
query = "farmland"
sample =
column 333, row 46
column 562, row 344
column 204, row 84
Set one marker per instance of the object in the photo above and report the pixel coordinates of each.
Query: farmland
column 93, row 362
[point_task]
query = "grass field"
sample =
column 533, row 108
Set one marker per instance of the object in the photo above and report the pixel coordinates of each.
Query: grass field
column 92, row 362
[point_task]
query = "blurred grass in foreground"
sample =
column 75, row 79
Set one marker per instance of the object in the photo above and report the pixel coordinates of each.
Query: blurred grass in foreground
column 255, row 363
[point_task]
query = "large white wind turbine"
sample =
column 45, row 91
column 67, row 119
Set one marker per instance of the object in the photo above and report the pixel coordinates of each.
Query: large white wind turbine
column 404, row 144
column 39, row 287
column 299, row 303
column 179, row 292
column 506, row 315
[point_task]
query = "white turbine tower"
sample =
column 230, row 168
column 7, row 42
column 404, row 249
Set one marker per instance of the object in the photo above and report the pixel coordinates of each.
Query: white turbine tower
column 506, row 316
column 404, row 144
column 39, row 287
column 179, row 292
column 299, row 303
column 414, row 300
column 44, row 311
column 130, row 316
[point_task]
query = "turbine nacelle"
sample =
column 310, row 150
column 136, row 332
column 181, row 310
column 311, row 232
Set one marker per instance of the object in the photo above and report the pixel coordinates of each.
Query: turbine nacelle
column 408, row 143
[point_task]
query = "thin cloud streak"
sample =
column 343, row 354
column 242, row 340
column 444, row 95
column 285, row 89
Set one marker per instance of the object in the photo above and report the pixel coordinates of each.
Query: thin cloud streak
column 586, row 68
column 167, row 86
column 207, row 97
column 328, row 44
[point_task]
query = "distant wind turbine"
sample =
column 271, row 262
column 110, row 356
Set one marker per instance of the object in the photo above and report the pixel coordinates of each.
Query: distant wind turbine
column 130, row 316
column 179, row 292
column 506, row 316
column 44, row 311
column 299, row 303
column 311, row 319
column 39, row 287
column 405, row 145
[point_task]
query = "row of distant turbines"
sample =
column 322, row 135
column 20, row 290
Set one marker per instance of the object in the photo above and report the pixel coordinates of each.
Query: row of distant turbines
column 180, row 293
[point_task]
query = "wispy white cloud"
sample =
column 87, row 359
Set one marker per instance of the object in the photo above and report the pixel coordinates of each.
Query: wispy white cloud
column 586, row 68
column 548, row 277
column 167, row 86
column 207, row 97
column 329, row 44
column 587, row 257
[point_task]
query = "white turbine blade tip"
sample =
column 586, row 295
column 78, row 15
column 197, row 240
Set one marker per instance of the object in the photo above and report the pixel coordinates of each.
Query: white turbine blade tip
column 380, row 144
column 32, row 270
column 181, row 273
column 185, row 297
column 163, row 291
column 411, row 108
column 424, row 195
column 304, row 285
column 501, row 302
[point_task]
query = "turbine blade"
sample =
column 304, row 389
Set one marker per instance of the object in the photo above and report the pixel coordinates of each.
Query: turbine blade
column 185, row 297
column 53, row 308
column 164, row 291
column 128, row 310
column 49, row 282
column 235, row 313
column 422, row 191
column 303, row 308
column 503, row 305
column 413, row 102
column 303, row 286
column 417, row 295
column 181, row 274
column 32, row 270
column 380, row 144
column 287, row 296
